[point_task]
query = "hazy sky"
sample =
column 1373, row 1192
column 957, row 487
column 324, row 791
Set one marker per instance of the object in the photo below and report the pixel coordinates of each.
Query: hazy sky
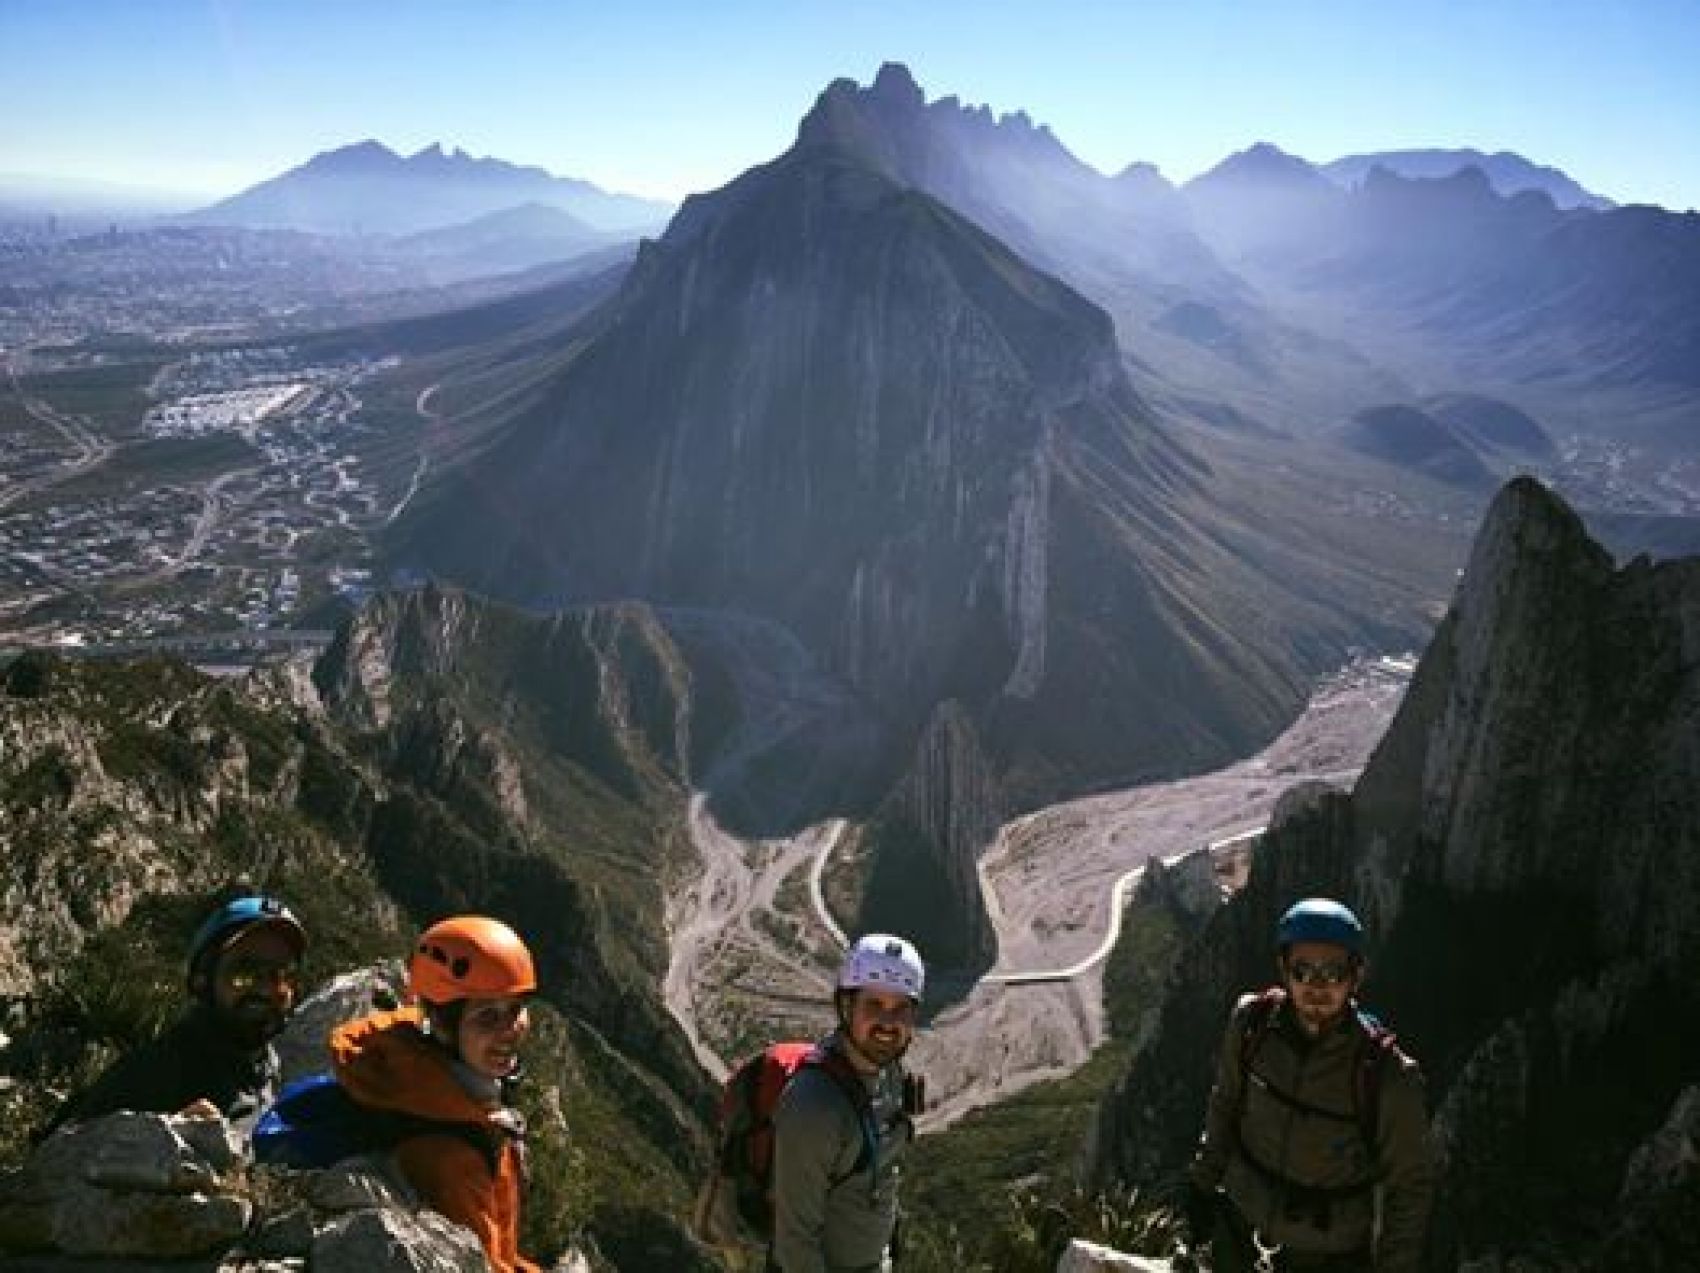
column 663, row 97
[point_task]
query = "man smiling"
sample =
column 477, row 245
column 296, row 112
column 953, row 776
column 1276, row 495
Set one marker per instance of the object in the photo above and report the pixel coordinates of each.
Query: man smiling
column 838, row 1141
column 1317, row 1122
column 243, row 977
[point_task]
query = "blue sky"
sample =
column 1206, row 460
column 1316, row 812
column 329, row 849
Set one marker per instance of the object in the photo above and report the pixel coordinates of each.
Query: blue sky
column 662, row 97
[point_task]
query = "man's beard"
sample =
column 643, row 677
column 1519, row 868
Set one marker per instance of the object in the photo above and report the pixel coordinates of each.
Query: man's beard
column 883, row 1051
column 253, row 1022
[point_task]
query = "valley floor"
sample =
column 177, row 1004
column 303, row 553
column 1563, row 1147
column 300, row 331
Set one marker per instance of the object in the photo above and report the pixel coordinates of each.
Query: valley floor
column 753, row 949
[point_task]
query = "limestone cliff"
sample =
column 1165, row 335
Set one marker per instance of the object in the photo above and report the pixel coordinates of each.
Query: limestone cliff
column 1525, row 846
column 926, row 881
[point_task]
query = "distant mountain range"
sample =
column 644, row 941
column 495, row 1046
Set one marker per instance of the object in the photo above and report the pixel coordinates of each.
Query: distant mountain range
column 1510, row 287
column 1508, row 173
column 368, row 188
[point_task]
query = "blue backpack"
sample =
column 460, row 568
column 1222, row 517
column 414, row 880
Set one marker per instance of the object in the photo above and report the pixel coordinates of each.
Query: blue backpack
column 315, row 1123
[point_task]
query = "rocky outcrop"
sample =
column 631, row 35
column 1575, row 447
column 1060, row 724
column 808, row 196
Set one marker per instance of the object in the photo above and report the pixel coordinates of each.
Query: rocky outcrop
column 1089, row 1257
column 944, row 813
column 1525, row 846
column 140, row 1188
column 129, row 1185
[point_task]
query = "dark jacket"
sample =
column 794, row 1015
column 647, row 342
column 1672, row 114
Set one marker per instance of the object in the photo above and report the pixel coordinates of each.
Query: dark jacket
column 386, row 1061
column 195, row 1058
column 1287, row 1146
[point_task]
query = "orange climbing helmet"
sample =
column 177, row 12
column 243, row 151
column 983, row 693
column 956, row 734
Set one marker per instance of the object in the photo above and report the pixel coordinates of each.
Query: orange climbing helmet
column 469, row 956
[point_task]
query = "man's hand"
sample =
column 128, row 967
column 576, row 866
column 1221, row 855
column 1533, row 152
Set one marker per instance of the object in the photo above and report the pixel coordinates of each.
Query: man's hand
column 200, row 1107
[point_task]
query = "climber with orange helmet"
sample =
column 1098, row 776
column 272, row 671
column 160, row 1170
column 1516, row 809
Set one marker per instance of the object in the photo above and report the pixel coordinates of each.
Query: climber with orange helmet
column 448, row 1059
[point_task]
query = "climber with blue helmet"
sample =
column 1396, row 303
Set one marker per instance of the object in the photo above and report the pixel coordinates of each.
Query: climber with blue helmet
column 243, row 977
column 1317, row 1123
column 845, row 1119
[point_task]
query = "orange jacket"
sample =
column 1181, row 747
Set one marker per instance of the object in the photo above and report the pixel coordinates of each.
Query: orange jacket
column 386, row 1061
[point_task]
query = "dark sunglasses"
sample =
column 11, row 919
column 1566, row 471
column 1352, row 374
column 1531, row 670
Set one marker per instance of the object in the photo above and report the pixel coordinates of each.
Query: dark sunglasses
column 244, row 977
column 1333, row 973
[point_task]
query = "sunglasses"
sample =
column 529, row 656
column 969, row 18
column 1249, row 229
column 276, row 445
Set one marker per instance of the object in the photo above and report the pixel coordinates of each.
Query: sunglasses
column 1334, row 972
column 245, row 977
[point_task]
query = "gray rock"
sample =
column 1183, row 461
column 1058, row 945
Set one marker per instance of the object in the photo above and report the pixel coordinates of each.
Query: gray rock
column 1089, row 1257
column 146, row 1152
column 110, row 1223
column 357, row 1185
column 1671, row 1156
column 396, row 1242
column 302, row 1047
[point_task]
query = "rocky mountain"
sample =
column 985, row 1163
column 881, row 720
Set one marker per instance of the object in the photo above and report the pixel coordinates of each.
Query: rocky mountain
column 1525, row 847
column 367, row 188
column 1500, row 288
column 503, row 242
column 1130, row 242
column 824, row 398
column 1492, row 423
column 1016, row 180
column 1508, row 172
column 446, row 755
column 1413, row 439
column 1253, row 201
column 827, row 400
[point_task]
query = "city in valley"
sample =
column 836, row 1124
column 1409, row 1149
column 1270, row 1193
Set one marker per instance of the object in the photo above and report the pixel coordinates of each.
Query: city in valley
column 174, row 465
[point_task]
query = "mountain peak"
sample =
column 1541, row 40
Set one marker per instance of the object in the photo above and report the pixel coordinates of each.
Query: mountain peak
column 1264, row 162
column 894, row 84
column 368, row 155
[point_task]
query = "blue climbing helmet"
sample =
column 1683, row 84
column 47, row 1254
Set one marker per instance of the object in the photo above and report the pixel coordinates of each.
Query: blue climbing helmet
column 1320, row 919
column 229, row 922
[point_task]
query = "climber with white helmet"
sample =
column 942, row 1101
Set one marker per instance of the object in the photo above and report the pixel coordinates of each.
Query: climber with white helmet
column 1316, row 1153
column 842, row 1125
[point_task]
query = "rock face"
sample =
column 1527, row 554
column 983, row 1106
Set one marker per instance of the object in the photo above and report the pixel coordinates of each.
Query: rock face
column 133, row 1189
column 934, row 825
column 1525, row 847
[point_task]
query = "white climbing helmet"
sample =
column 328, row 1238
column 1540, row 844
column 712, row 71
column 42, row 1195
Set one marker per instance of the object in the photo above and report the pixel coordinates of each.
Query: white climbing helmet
column 880, row 961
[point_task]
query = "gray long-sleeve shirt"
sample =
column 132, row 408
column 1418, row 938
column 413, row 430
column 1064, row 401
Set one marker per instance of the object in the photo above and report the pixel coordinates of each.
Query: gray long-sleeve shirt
column 826, row 1219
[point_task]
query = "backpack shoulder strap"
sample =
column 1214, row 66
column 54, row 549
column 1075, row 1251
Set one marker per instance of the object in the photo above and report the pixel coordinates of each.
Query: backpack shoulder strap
column 836, row 1066
column 1377, row 1049
column 1255, row 1023
column 1256, row 1019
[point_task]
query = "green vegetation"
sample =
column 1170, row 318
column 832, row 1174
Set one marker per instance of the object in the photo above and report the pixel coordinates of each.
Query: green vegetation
column 113, row 396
